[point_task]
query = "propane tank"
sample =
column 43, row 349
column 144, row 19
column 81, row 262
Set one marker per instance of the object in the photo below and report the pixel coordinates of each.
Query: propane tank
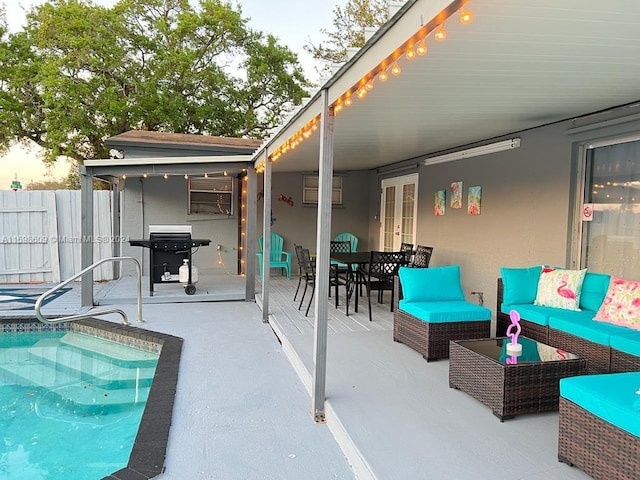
column 183, row 273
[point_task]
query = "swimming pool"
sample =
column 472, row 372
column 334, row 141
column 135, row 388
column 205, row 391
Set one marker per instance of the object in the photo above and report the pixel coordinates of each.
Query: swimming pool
column 79, row 419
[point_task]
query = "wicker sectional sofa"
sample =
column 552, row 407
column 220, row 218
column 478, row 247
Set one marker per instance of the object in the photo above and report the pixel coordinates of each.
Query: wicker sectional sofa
column 430, row 311
column 599, row 415
column 607, row 348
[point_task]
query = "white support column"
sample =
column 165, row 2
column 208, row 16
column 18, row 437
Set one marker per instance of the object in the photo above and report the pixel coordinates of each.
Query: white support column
column 322, row 259
column 249, row 242
column 86, row 236
column 266, row 232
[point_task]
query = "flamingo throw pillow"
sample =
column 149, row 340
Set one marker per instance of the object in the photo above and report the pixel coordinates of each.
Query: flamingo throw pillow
column 621, row 305
column 560, row 288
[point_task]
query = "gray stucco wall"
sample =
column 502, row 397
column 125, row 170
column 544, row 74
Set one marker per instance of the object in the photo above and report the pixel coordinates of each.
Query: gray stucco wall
column 158, row 201
column 527, row 205
column 297, row 224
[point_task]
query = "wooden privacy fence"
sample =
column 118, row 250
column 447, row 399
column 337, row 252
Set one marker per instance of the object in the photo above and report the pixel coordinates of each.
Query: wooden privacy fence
column 40, row 237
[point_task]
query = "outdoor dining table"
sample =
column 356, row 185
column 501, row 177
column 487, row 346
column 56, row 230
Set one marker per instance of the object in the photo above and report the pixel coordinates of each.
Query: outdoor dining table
column 353, row 260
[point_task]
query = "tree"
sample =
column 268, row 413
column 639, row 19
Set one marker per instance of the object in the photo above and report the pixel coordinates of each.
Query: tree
column 79, row 73
column 349, row 23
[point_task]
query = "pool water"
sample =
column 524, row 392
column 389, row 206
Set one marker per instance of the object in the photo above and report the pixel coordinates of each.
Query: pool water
column 70, row 405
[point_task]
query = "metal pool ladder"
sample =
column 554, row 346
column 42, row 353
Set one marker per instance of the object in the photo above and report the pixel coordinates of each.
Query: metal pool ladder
column 125, row 321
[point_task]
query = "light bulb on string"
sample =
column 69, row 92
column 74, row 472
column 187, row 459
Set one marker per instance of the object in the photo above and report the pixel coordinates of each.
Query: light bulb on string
column 410, row 54
column 347, row 101
column 440, row 34
column 186, row 176
column 144, row 175
column 166, row 176
column 383, row 76
column 395, row 69
column 369, row 84
column 206, row 175
column 466, row 17
column 421, row 48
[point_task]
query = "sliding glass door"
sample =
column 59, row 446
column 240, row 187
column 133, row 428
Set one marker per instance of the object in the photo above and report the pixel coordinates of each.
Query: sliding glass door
column 611, row 211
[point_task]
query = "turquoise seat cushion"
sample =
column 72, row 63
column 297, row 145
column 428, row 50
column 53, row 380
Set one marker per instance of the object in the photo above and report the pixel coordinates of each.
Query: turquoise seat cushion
column 582, row 325
column 627, row 343
column 534, row 313
column 520, row 285
column 448, row 311
column 594, row 289
column 611, row 397
column 433, row 284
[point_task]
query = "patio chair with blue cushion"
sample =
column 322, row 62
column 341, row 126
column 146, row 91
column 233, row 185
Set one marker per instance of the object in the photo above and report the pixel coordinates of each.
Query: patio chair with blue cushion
column 278, row 257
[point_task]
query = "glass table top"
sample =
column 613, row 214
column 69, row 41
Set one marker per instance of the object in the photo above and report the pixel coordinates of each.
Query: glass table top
column 532, row 351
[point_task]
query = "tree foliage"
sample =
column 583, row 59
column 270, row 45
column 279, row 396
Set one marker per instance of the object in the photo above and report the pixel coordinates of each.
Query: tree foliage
column 79, row 73
column 349, row 23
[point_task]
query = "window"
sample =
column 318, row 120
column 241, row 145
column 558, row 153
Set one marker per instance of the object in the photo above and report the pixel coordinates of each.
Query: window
column 213, row 196
column 310, row 190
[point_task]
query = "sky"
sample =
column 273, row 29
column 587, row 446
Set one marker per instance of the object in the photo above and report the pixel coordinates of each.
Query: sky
column 293, row 22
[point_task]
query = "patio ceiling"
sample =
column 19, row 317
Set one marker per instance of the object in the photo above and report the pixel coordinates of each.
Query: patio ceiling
column 519, row 64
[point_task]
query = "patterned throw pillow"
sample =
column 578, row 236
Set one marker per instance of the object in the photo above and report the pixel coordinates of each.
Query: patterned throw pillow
column 560, row 288
column 621, row 305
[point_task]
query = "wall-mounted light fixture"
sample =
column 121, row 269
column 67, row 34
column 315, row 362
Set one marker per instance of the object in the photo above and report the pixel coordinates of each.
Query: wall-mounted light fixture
column 475, row 151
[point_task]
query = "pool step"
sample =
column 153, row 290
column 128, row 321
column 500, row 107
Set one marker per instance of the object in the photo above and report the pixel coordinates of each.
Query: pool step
column 69, row 387
column 89, row 374
column 116, row 351
column 87, row 366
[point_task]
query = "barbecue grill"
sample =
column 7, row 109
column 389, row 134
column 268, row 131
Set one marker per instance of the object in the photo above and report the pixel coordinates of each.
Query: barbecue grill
column 169, row 246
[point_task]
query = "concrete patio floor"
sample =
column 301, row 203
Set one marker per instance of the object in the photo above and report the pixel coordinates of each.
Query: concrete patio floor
column 243, row 412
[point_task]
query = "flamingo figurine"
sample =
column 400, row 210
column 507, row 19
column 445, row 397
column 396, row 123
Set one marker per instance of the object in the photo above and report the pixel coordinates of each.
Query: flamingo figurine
column 514, row 349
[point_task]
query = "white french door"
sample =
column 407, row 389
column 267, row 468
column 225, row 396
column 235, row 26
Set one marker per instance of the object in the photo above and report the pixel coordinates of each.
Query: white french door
column 398, row 212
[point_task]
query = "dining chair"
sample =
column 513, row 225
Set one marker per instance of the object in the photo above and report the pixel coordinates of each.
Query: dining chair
column 422, row 256
column 339, row 271
column 278, row 257
column 408, row 249
column 378, row 274
column 298, row 249
column 350, row 237
column 309, row 276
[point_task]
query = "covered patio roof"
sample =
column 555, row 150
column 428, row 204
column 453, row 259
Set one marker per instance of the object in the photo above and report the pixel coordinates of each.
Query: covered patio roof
column 518, row 65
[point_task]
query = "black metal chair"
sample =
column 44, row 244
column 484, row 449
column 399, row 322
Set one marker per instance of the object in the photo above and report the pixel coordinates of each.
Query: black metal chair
column 308, row 270
column 408, row 249
column 378, row 274
column 422, row 256
column 297, row 249
column 339, row 271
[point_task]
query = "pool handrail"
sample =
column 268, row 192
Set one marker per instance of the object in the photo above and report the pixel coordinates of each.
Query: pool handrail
column 68, row 318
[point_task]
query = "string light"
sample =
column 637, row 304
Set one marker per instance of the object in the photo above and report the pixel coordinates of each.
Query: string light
column 362, row 92
column 410, row 54
column 124, row 177
column 186, row 177
column 206, row 175
column 421, row 48
column 395, row 69
column 383, row 76
column 440, row 34
column 347, row 101
column 166, row 176
column 466, row 17
column 369, row 84
column 144, row 175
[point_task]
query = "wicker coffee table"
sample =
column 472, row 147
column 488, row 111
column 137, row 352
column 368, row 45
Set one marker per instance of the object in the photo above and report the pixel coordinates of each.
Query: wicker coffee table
column 479, row 368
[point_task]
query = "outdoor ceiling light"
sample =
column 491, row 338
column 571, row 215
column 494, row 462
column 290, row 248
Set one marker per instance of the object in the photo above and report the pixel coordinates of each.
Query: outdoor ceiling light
column 475, row 151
